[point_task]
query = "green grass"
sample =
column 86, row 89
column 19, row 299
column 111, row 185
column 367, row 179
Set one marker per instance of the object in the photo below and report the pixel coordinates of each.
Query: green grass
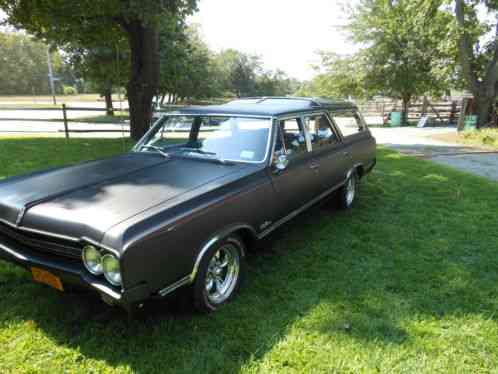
column 405, row 282
column 118, row 117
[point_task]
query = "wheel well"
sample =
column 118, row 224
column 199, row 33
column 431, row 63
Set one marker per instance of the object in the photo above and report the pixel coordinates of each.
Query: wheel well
column 360, row 170
column 247, row 237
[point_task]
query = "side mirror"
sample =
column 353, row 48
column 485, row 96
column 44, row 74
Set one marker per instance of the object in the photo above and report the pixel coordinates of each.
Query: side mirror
column 281, row 163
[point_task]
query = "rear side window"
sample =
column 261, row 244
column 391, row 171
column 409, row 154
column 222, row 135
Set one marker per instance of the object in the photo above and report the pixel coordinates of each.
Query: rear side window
column 320, row 130
column 349, row 122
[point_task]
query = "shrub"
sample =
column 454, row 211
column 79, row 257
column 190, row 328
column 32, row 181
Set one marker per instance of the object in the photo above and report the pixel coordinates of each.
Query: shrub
column 69, row 90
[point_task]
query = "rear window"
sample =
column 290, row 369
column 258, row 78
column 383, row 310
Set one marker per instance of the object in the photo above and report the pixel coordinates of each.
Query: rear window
column 349, row 122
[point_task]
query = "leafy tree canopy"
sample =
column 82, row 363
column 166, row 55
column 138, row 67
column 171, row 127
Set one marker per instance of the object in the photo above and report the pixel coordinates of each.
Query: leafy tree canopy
column 96, row 23
column 23, row 65
column 408, row 49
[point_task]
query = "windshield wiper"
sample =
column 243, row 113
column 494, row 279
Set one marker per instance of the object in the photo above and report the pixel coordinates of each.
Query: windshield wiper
column 157, row 149
column 197, row 150
column 201, row 152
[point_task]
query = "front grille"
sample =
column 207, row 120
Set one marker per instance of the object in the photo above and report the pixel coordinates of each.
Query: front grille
column 41, row 243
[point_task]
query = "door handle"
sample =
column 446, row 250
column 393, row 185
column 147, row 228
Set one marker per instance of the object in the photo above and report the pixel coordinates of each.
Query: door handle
column 314, row 165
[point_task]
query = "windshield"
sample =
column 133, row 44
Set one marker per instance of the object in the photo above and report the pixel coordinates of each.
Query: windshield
column 235, row 139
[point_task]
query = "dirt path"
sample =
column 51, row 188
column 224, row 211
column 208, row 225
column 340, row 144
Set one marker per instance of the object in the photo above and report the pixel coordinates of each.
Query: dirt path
column 424, row 143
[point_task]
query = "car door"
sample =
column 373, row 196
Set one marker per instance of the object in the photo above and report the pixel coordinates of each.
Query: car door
column 299, row 182
column 329, row 153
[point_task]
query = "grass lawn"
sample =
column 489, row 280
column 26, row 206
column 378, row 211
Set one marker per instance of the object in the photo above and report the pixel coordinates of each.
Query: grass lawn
column 487, row 138
column 405, row 282
column 118, row 117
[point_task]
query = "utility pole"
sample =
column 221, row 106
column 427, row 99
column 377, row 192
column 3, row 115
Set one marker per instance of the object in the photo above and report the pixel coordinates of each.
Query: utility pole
column 51, row 75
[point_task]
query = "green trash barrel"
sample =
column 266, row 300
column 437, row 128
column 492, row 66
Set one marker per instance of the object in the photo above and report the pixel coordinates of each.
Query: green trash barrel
column 470, row 122
column 395, row 119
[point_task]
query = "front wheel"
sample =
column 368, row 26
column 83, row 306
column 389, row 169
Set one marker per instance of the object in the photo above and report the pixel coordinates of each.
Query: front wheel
column 347, row 193
column 220, row 274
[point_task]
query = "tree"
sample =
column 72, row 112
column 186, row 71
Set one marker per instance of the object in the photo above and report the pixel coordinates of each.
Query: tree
column 85, row 24
column 187, row 65
column 338, row 76
column 275, row 83
column 239, row 71
column 405, row 54
column 105, row 66
column 23, row 65
column 479, row 62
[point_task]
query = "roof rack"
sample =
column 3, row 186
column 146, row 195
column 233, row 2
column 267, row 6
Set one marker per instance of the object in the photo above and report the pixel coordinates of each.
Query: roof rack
column 259, row 99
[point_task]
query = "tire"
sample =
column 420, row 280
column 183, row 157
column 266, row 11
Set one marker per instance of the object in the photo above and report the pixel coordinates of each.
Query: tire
column 347, row 194
column 217, row 284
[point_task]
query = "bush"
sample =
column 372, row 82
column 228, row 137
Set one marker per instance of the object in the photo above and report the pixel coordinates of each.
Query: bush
column 69, row 90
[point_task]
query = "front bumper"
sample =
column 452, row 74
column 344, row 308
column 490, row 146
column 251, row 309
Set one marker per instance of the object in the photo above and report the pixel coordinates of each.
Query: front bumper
column 71, row 272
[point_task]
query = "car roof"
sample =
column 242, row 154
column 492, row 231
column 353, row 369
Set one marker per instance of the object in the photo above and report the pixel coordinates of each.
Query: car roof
column 268, row 106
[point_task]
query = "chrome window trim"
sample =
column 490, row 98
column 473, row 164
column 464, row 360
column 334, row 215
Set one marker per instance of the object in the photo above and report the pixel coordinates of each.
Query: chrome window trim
column 137, row 146
column 332, row 125
column 295, row 116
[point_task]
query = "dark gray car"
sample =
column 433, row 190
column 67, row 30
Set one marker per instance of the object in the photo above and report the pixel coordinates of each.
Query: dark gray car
column 184, row 206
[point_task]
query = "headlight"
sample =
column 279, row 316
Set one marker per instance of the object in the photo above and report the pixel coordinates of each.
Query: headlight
column 92, row 259
column 112, row 272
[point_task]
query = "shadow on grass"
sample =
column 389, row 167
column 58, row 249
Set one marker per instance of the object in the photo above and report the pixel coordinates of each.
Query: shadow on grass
column 406, row 252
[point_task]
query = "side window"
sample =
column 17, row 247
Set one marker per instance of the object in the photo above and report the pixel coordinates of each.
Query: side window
column 349, row 122
column 291, row 138
column 321, row 131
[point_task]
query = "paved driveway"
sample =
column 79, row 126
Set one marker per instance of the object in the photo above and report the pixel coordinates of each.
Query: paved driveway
column 418, row 142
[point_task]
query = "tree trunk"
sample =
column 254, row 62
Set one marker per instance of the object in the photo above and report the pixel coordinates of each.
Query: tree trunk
column 484, row 90
column 406, row 103
column 484, row 108
column 143, row 84
column 108, row 101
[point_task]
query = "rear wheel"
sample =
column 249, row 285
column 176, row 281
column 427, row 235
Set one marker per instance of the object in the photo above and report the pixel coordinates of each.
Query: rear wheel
column 220, row 274
column 347, row 193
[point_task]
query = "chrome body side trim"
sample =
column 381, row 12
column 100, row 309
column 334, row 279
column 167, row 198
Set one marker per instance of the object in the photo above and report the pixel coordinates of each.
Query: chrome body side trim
column 107, row 291
column 172, row 287
column 301, row 209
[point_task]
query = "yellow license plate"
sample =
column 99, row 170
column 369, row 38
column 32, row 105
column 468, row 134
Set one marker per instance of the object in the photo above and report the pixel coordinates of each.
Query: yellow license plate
column 45, row 277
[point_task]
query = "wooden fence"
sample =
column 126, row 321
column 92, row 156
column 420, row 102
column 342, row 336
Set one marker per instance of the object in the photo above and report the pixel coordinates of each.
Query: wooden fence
column 439, row 112
column 63, row 117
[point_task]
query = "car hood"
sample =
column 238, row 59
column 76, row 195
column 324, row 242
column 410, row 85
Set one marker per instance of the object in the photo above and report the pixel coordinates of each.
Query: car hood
column 88, row 199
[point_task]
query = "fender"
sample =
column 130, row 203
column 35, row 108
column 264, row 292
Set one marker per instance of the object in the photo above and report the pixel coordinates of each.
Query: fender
column 211, row 242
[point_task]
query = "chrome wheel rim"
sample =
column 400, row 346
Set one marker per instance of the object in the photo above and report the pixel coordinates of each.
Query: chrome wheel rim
column 223, row 273
column 350, row 190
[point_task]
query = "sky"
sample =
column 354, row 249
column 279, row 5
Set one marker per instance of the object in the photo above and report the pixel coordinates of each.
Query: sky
column 285, row 33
